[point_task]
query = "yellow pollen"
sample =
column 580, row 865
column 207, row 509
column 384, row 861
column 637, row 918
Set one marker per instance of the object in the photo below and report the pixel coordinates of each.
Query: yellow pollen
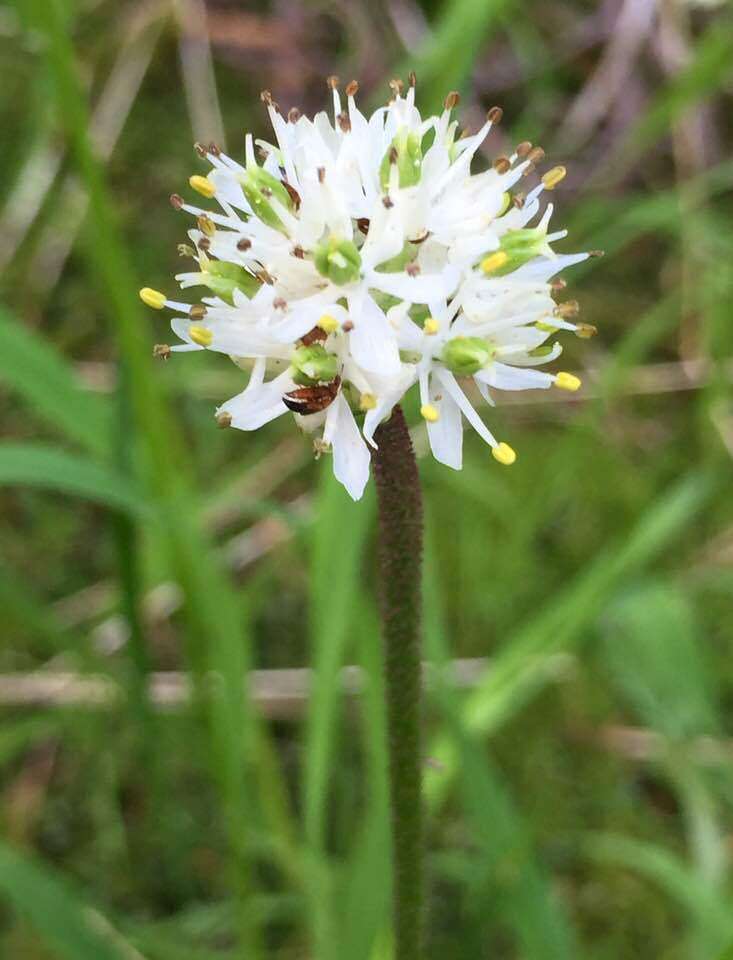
column 431, row 326
column 200, row 335
column 367, row 401
column 327, row 323
column 494, row 261
column 504, row 454
column 553, row 177
column 429, row 413
column 567, row 381
column 153, row 298
column 202, row 185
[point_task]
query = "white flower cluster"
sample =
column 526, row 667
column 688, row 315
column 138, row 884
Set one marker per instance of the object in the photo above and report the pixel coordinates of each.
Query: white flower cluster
column 362, row 257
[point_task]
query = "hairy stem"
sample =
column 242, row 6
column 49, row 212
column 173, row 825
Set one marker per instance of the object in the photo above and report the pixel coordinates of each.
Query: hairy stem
column 400, row 564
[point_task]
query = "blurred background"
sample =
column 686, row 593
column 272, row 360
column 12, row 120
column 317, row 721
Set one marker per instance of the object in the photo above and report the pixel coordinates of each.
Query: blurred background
column 579, row 761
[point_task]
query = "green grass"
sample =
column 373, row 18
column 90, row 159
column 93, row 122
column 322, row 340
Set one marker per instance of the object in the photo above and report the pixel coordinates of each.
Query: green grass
column 136, row 537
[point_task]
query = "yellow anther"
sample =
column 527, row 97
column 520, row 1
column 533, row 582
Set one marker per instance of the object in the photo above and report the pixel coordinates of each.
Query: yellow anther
column 431, row 326
column 585, row 331
column 494, row 261
column 553, row 177
column 367, row 401
column 327, row 323
column 567, row 381
column 429, row 412
column 153, row 298
column 504, row 454
column 200, row 335
column 206, row 226
column 202, row 185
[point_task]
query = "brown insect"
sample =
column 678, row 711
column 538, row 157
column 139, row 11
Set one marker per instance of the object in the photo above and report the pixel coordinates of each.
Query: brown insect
column 305, row 400
column 316, row 335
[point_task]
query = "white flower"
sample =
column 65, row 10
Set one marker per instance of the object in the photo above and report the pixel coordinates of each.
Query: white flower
column 363, row 256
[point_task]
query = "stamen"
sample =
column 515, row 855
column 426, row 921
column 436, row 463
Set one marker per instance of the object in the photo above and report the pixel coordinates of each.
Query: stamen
column 431, row 326
column 197, row 311
column 571, row 308
column 567, row 381
column 201, row 335
column 161, row 351
column 367, row 401
column 176, row 201
column 553, row 177
column 206, row 225
column 429, row 412
column 344, row 123
column 352, row 88
column 327, row 323
column 244, row 244
column 504, row 454
column 202, row 185
column 452, row 100
column 585, row 331
column 153, row 298
column 502, row 164
column 333, row 81
column 522, row 149
column 494, row 115
column 224, row 420
column 293, row 115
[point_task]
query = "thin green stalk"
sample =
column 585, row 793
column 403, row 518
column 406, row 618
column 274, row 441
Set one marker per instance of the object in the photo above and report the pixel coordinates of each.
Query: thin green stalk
column 400, row 521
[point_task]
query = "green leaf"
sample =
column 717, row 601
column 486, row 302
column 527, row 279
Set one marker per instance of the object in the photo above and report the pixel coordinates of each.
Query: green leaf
column 34, row 369
column 58, row 913
column 40, row 465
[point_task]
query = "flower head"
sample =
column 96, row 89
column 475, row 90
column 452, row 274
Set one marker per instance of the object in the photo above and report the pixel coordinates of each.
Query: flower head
column 358, row 256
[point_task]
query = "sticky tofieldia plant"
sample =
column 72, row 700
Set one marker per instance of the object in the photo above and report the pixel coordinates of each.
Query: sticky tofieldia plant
column 348, row 263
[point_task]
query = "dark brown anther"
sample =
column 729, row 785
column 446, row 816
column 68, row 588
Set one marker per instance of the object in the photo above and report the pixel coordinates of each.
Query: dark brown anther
column 502, row 164
column 422, row 238
column 536, row 155
column 347, row 326
column 412, row 269
column 197, row 312
column 452, row 100
column 321, row 171
column 292, row 193
column 396, row 86
column 214, row 149
column 279, row 303
column 518, row 200
column 224, row 420
column 412, row 78
column 344, row 122
column 571, row 308
column 352, row 88
column 298, row 252
column 266, row 97
column 363, row 224
column 523, row 148
column 264, row 277
column 204, row 244
column 293, row 115
column 596, row 253
column 176, row 201
column 333, row 81
column 387, row 203
column 494, row 115
column 161, row 351
column 200, row 149
column 244, row 244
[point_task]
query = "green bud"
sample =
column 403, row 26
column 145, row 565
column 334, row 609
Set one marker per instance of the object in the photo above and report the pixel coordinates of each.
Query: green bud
column 312, row 365
column 465, row 356
column 224, row 278
column 406, row 151
column 339, row 260
column 259, row 186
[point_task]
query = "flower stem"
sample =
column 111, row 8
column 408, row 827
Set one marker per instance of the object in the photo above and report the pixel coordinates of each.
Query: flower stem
column 400, row 563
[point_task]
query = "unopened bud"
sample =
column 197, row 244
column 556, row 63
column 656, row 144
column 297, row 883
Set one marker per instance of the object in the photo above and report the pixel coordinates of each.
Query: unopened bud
column 338, row 260
column 406, row 151
column 259, row 188
column 313, row 364
column 465, row 356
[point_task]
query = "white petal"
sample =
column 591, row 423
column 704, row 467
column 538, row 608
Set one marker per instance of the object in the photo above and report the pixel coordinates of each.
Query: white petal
column 373, row 342
column 503, row 377
column 350, row 454
column 446, row 434
column 254, row 407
